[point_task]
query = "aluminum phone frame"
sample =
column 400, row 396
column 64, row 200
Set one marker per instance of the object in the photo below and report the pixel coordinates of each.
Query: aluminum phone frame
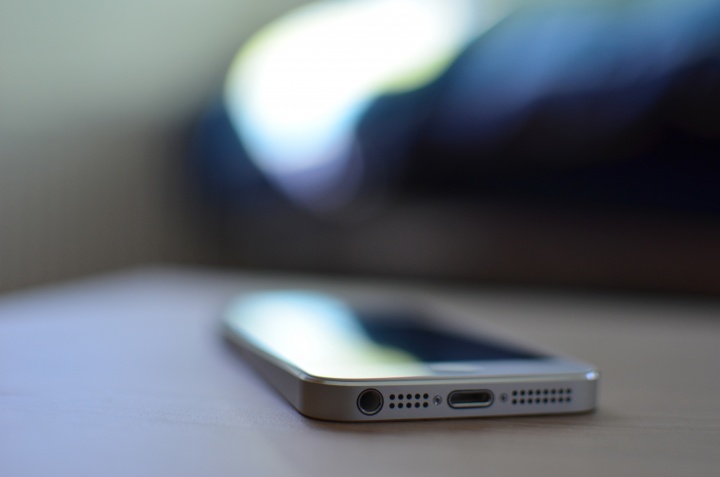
column 570, row 388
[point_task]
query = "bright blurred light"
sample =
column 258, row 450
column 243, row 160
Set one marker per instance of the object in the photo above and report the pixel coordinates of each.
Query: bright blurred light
column 295, row 92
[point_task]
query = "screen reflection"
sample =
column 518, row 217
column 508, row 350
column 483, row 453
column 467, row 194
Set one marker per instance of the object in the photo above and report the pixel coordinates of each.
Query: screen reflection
column 324, row 336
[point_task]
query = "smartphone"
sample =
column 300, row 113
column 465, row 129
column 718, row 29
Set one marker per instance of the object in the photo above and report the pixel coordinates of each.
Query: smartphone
column 377, row 360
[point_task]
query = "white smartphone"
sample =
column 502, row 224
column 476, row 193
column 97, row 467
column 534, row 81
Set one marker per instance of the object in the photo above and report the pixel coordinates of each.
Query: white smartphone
column 377, row 361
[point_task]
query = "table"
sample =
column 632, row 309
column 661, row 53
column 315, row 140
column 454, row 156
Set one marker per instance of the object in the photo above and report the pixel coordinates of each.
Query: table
column 126, row 374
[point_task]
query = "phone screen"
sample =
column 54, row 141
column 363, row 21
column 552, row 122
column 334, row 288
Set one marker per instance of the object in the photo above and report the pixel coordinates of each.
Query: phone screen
column 413, row 335
column 325, row 336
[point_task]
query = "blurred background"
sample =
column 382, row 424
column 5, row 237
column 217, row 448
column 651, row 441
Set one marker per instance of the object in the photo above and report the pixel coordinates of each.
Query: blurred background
column 97, row 102
column 572, row 144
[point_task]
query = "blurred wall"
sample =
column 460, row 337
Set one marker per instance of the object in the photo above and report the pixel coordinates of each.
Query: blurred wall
column 96, row 99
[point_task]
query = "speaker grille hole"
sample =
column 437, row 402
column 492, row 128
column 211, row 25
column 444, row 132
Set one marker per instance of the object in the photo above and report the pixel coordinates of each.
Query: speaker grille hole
column 409, row 401
column 533, row 396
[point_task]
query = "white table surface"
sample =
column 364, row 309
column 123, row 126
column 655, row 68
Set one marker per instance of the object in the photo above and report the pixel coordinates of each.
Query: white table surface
column 126, row 374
